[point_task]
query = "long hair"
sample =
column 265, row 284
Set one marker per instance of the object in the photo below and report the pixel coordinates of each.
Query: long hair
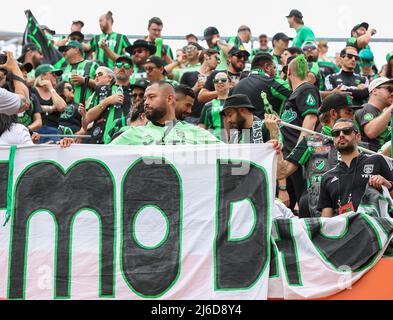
column 389, row 70
column 6, row 122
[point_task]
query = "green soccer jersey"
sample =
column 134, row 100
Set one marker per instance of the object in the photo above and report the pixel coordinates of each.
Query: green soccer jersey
column 84, row 68
column 116, row 42
column 353, row 42
column 303, row 34
column 152, row 134
column 212, row 119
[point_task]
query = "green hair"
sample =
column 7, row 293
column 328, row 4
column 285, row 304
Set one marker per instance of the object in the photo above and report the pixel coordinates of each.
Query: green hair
column 301, row 66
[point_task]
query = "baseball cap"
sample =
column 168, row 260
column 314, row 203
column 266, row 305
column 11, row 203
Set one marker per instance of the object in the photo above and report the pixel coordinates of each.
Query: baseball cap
column 72, row 44
column 309, row 45
column 44, row 68
column 366, row 54
column 78, row 21
column 210, row 32
column 237, row 101
column 78, row 34
column 378, row 82
column 337, row 101
column 236, row 50
column 295, row 13
column 27, row 48
column 155, row 60
column 124, row 59
column 363, row 24
column 140, row 83
column 281, row 36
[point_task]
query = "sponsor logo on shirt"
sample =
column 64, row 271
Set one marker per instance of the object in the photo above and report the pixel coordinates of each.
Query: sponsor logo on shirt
column 289, row 115
column 368, row 117
column 368, row 169
column 334, row 180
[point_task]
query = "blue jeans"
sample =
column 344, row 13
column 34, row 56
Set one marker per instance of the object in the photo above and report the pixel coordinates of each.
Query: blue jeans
column 48, row 130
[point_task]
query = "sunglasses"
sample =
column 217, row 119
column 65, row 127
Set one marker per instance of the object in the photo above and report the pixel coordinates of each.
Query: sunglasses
column 125, row 65
column 309, row 48
column 222, row 80
column 138, row 51
column 241, row 56
column 99, row 74
column 351, row 56
column 191, row 49
column 137, row 95
column 389, row 88
column 346, row 131
column 69, row 88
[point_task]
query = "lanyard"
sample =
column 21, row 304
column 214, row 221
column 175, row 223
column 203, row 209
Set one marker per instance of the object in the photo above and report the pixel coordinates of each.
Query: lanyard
column 353, row 181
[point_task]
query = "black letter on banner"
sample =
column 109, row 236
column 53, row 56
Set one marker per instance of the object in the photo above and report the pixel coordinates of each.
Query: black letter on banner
column 3, row 184
column 151, row 273
column 45, row 186
column 355, row 249
column 239, row 264
column 286, row 245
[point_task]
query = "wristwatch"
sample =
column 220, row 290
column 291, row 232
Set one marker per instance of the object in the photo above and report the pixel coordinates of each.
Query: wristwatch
column 282, row 188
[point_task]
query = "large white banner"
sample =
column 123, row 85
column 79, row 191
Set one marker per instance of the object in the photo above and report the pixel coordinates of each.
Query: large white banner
column 170, row 222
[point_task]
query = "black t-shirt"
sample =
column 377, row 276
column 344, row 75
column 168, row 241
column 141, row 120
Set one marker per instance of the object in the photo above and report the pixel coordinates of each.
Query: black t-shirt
column 365, row 116
column 350, row 80
column 71, row 119
column 303, row 101
column 190, row 79
column 277, row 92
column 48, row 119
column 339, row 183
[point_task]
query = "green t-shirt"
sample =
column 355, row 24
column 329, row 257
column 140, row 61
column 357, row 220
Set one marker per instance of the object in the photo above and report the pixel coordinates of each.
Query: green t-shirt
column 84, row 68
column 151, row 134
column 116, row 42
column 353, row 42
column 303, row 34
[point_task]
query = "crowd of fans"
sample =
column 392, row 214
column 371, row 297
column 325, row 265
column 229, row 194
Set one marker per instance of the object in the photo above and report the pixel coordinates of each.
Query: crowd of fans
column 113, row 92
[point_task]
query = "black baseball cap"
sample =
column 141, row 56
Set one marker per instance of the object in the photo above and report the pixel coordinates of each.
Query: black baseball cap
column 281, row 36
column 363, row 24
column 155, row 60
column 124, row 58
column 27, row 48
column 337, row 101
column 140, row 83
column 295, row 13
column 237, row 101
column 78, row 34
column 72, row 44
column 236, row 50
column 210, row 32
column 140, row 43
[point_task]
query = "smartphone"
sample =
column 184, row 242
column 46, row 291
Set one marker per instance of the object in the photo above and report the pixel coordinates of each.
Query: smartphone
column 3, row 59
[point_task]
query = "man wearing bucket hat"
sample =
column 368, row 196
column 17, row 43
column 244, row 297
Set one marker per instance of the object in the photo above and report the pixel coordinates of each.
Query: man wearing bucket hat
column 140, row 51
column 239, row 113
column 373, row 120
column 78, row 69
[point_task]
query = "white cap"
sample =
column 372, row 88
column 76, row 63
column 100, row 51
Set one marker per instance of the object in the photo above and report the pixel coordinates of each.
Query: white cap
column 378, row 82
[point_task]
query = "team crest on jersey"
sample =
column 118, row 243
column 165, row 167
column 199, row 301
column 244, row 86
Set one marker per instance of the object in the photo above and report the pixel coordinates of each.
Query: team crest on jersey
column 311, row 101
column 369, row 117
column 369, row 169
column 289, row 116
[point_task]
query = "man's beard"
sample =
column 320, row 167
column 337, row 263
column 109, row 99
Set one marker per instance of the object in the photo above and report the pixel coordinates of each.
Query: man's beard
column 156, row 114
column 237, row 69
column 241, row 122
column 348, row 149
column 312, row 59
column 36, row 62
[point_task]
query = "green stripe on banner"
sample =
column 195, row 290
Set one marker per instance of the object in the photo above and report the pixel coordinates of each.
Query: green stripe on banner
column 11, row 163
